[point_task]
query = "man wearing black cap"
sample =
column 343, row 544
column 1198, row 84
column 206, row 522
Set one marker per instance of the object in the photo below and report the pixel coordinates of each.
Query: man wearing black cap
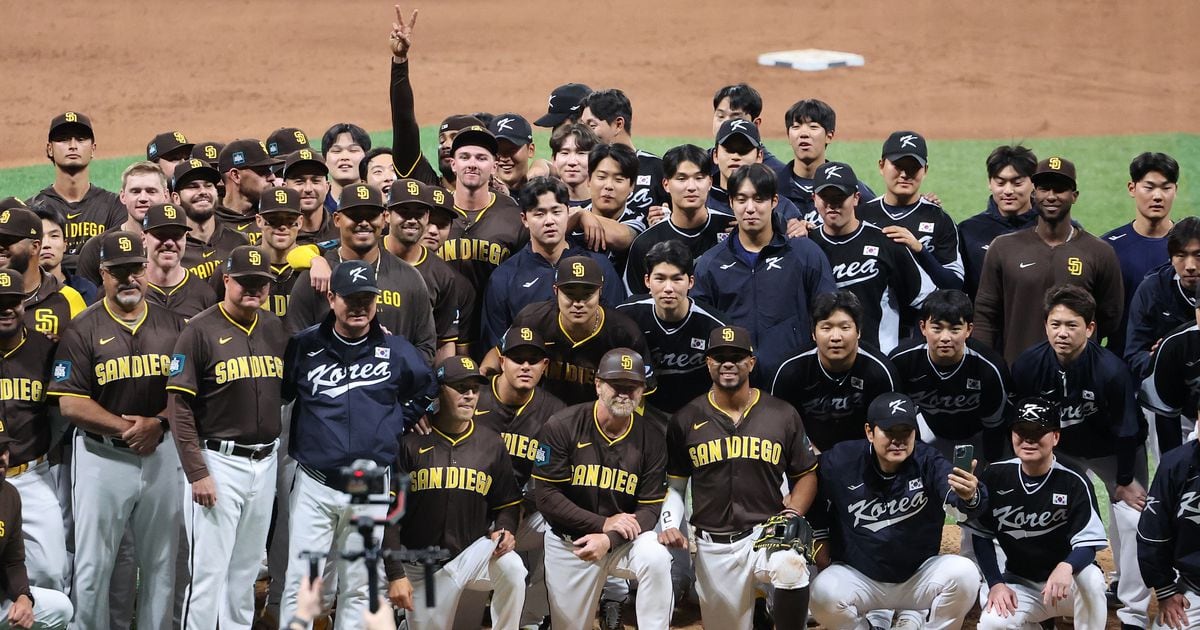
column 245, row 169
column 208, row 241
column 168, row 149
column 49, row 304
column 308, row 175
column 208, row 151
column 740, row 102
column 224, row 390
column 110, row 375
column 279, row 221
column 89, row 209
column 878, row 516
column 169, row 285
column 1034, row 497
column 565, row 105
column 884, row 274
column 600, row 486
column 738, row 143
column 356, row 389
column 1024, row 264
column 286, row 140
column 515, row 164
column 910, row 219
column 474, row 519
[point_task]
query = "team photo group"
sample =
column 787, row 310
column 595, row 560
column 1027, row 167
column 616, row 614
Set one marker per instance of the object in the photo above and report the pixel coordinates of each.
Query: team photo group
column 296, row 381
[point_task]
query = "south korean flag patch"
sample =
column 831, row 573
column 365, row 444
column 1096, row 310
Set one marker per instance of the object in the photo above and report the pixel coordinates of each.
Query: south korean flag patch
column 383, row 353
column 698, row 343
column 870, row 250
column 1060, row 499
column 915, row 484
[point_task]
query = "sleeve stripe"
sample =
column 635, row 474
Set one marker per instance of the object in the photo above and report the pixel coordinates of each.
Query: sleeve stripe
column 804, row 472
column 549, row 480
column 179, row 388
column 677, row 476
column 72, row 395
column 652, row 501
column 509, row 504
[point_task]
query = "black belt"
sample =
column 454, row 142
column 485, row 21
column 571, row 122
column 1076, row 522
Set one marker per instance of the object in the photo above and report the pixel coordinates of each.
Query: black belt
column 566, row 537
column 224, row 446
column 723, row 539
column 110, row 440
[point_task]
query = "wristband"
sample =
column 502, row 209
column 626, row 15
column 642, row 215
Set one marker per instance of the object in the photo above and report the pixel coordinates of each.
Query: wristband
column 164, row 423
column 296, row 623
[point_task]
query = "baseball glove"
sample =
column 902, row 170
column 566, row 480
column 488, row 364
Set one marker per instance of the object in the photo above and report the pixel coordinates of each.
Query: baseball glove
column 787, row 531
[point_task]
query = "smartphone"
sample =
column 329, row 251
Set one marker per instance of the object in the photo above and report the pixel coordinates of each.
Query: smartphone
column 963, row 454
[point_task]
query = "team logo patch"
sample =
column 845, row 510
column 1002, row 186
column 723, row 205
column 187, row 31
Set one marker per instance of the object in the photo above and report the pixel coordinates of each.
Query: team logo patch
column 643, row 180
column 925, row 227
column 239, row 158
column 870, row 250
column 856, row 383
column 62, row 370
column 1088, row 395
column 383, row 353
column 1060, row 499
column 698, row 343
column 973, row 383
column 543, row 455
column 915, row 484
column 177, row 361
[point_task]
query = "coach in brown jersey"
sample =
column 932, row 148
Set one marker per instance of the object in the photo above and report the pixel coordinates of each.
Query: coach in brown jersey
column 245, row 169
column 461, row 483
column 49, row 305
column 578, row 331
column 168, row 284
column 224, row 389
column 209, row 242
column 738, row 432
column 600, row 485
column 110, row 374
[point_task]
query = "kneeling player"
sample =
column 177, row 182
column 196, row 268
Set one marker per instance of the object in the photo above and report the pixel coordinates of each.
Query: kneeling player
column 738, row 432
column 1168, row 537
column 462, row 480
column 1031, row 498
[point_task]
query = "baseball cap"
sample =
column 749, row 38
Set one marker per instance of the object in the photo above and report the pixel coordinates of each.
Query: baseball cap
column 248, row 260
column 564, row 101
column 734, row 337
column 443, row 201
column 739, row 127
column 279, row 199
column 475, row 136
column 244, row 153
column 458, row 122
column 353, row 276
column 835, row 174
column 457, row 369
column 1038, row 412
column 285, row 140
column 410, row 191
column 166, row 143
column 902, row 144
column 892, row 409
column 70, row 121
column 521, row 337
column 193, row 169
column 623, row 364
column 304, row 156
column 1053, row 168
column 208, row 151
column 121, row 248
column 511, row 127
column 578, row 270
column 361, row 196
column 20, row 222
column 164, row 215
column 11, row 202
column 11, row 283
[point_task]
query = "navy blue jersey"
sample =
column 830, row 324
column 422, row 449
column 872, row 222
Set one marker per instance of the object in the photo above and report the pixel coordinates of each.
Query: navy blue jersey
column 975, row 236
column 960, row 401
column 884, row 526
column 1173, row 386
column 1169, row 529
column 1159, row 305
column 928, row 223
column 647, row 188
column 833, row 405
column 718, row 199
column 882, row 273
column 676, row 350
column 800, row 191
column 1139, row 255
column 697, row 240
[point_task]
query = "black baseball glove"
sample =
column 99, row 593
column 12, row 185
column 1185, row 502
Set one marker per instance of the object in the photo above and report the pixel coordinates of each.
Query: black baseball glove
column 787, row 531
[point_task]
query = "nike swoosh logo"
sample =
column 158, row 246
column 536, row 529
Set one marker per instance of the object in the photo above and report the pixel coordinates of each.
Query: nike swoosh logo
column 1049, row 391
column 582, row 444
column 1003, row 492
column 729, row 265
column 696, row 427
column 72, row 217
column 209, row 254
column 1117, row 237
column 480, row 413
column 531, row 283
column 224, row 340
column 854, row 487
column 422, row 451
column 105, row 341
column 1024, row 265
column 1191, row 363
column 315, row 352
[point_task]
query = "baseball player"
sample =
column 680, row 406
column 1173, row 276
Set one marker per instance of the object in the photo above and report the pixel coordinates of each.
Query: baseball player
column 208, row 151
column 463, row 498
column 22, row 605
column 224, row 390
column 306, row 172
column 563, row 107
column 283, row 142
column 570, row 145
column 676, row 326
column 515, row 163
column 89, row 209
column 1046, row 519
column 1168, row 534
column 245, row 169
column 1165, row 299
column 1102, row 428
column 736, row 431
column 600, row 486
column 810, row 126
column 343, row 146
column 578, row 330
column 143, row 184
column 737, row 144
column 49, row 305
column 1009, row 208
column 168, row 283
column 878, row 516
column 378, row 169
column 609, row 114
column 406, row 133
column 167, row 150
column 883, row 273
column 25, row 359
column 833, row 384
column 53, row 248
column 961, row 385
column 609, row 224
column 279, row 220
column 356, row 389
column 209, row 241
column 1172, row 388
column 109, row 375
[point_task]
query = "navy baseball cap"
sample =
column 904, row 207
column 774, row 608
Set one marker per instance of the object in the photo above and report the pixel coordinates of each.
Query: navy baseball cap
column 353, row 276
column 1038, row 413
column 565, row 101
column 166, row 143
column 513, row 128
column 902, row 144
column 837, row 175
column 892, row 410
column 739, row 127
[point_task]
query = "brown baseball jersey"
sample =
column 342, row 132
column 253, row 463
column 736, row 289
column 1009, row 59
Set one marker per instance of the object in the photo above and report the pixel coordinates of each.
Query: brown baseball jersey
column 404, row 305
column 121, row 365
column 281, row 288
column 99, row 210
column 735, row 469
column 225, row 380
column 52, row 307
column 12, row 545
column 323, row 234
column 476, row 248
column 23, row 409
column 458, row 486
column 185, row 299
column 452, row 296
column 203, row 258
column 242, row 224
column 584, row 476
column 519, row 425
column 572, row 372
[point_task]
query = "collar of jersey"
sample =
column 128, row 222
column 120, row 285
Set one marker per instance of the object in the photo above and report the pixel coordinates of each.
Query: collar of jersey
column 576, row 344
column 938, row 371
column 600, row 430
column 1021, row 477
column 173, row 289
column 239, row 326
column 465, row 435
column 132, row 328
column 838, row 240
column 479, row 217
column 756, row 395
column 24, row 336
column 521, row 409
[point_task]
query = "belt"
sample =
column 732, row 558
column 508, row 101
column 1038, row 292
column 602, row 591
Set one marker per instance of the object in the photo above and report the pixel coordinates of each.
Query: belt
column 566, row 537
column 723, row 539
column 21, row 469
column 113, row 441
column 228, row 447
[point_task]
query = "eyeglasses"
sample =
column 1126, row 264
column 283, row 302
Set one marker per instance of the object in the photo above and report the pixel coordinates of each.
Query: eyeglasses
column 122, row 272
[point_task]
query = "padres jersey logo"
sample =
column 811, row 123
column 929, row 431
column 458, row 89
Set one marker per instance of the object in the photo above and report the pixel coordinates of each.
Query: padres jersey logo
column 451, row 478
column 605, row 478
column 25, row 389
column 1074, row 266
column 45, row 321
column 520, row 446
column 1054, row 163
column 735, row 447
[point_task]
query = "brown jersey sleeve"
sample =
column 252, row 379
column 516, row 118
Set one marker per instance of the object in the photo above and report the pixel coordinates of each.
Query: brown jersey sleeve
column 392, row 542
column 303, row 307
column 16, row 578
column 801, row 458
column 183, row 387
column 504, row 497
column 679, row 465
column 72, row 371
column 553, row 473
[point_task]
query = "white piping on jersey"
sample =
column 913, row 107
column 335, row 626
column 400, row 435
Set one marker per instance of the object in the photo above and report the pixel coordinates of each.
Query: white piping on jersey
column 1149, row 388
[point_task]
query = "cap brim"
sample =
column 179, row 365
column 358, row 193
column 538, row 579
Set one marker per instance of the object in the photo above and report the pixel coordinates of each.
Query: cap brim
column 479, row 378
column 186, row 227
column 550, row 119
column 1052, row 175
column 727, row 346
column 374, row 290
column 1033, row 425
column 123, row 260
column 322, row 166
column 249, row 274
column 14, row 234
column 473, row 138
column 517, row 140
column 889, row 423
column 519, row 344
column 281, row 211
column 588, row 283
column 846, row 189
column 623, row 376
column 71, row 125
column 723, row 139
column 894, row 157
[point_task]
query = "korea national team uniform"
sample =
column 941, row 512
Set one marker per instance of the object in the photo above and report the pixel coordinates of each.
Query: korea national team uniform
column 1159, row 306
column 1169, row 531
column 676, row 350
column 1172, row 389
column 697, row 241
column 940, row 256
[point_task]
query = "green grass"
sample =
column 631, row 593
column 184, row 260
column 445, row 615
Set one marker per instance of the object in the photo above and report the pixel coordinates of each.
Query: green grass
column 956, row 169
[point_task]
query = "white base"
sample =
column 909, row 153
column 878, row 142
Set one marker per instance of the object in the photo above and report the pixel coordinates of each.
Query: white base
column 810, row 59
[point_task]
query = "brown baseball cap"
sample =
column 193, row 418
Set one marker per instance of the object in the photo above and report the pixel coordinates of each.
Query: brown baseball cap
column 244, row 153
column 443, row 202
column 1055, row 168
column 20, row 222
column 247, row 260
column 304, row 156
column 457, row 369
column 578, row 270
column 621, row 364
column 192, row 169
column 476, row 136
column 70, row 121
column 208, row 151
column 734, row 337
column 410, row 192
column 11, row 202
column 280, row 199
column 521, row 337
column 458, row 122
column 361, row 196
column 166, row 143
column 11, row 283
column 121, row 248
column 286, row 140
column 165, row 215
